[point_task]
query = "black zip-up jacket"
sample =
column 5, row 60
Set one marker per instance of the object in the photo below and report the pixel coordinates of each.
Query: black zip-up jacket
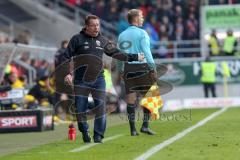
column 59, row 57
column 88, row 51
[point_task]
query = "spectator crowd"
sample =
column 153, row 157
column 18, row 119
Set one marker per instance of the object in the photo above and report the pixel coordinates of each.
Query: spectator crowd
column 165, row 20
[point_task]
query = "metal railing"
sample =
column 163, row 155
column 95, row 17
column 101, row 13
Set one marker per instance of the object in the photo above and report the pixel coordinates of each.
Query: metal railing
column 177, row 47
column 31, row 71
column 185, row 48
column 17, row 50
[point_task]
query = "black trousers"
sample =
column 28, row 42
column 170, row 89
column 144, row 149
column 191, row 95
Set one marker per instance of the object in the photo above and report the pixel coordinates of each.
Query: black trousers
column 209, row 87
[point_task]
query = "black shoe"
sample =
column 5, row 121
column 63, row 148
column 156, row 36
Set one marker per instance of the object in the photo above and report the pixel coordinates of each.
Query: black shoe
column 147, row 131
column 86, row 137
column 97, row 139
column 134, row 133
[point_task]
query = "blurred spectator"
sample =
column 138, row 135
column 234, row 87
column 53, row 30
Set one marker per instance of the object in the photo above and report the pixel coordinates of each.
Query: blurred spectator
column 15, row 81
column 43, row 69
column 74, row 2
column 4, row 38
column 151, row 32
column 164, row 7
column 24, row 37
column 177, row 12
column 113, row 15
column 166, row 4
column 213, row 44
column 122, row 23
column 191, row 27
column 235, row 1
column 143, row 8
column 125, row 4
column 179, row 2
column 42, row 92
column 230, row 44
column 222, row 2
column 99, row 8
column 169, row 26
column 179, row 29
column 163, row 48
column 58, row 59
column 14, row 69
column 155, row 23
column 88, row 5
column 214, row 2
column 163, row 31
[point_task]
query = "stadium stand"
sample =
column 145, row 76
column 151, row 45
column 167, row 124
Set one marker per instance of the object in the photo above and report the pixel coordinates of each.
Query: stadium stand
column 14, row 12
column 173, row 26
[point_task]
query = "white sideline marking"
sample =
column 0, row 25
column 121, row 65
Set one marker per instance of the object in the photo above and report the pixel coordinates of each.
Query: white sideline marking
column 178, row 136
column 94, row 144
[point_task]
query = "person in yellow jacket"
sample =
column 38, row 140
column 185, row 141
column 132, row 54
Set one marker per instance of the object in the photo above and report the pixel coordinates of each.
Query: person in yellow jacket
column 208, row 77
column 230, row 44
column 15, row 81
column 41, row 92
column 213, row 43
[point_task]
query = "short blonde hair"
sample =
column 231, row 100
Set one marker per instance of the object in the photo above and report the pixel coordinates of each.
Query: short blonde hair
column 132, row 14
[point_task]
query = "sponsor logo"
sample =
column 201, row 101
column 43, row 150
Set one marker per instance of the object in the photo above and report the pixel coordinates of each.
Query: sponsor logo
column 47, row 121
column 174, row 75
column 13, row 94
column 98, row 42
column 18, row 122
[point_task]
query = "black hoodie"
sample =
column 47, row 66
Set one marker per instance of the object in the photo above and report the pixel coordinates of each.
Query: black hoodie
column 88, row 51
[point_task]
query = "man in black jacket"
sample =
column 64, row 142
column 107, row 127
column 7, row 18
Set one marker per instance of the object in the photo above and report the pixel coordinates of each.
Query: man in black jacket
column 86, row 49
column 60, row 53
column 58, row 59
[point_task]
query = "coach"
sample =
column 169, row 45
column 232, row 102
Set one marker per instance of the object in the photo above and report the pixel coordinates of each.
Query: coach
column 89, row 45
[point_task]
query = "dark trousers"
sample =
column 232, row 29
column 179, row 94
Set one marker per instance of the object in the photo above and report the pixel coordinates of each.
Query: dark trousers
column 81, row 102
column 137, row 79
column 209, row 87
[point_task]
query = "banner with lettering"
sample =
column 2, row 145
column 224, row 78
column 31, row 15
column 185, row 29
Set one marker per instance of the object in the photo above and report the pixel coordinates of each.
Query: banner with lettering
column 221, row 17
column 188, row 73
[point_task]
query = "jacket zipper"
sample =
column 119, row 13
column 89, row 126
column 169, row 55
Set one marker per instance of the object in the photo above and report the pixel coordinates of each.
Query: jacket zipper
column 92, row 43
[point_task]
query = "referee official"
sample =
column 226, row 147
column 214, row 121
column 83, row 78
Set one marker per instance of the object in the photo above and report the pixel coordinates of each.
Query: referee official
column 138, row 76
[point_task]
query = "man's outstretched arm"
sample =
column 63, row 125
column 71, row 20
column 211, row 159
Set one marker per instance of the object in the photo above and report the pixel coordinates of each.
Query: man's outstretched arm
column 111, row 50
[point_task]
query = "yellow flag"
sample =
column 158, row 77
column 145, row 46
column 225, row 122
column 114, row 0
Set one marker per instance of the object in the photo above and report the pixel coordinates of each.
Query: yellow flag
column 226, row 71
column 152, row 101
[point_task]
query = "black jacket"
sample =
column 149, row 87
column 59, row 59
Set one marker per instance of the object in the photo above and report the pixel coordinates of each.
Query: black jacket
column 59, row 57
column 88, row 51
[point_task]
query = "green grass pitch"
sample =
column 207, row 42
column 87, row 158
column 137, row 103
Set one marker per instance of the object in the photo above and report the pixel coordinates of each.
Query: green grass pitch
column 217, row 139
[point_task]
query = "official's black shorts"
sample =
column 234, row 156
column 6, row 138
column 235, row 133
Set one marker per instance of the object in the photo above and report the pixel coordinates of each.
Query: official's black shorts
column 137, row 78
